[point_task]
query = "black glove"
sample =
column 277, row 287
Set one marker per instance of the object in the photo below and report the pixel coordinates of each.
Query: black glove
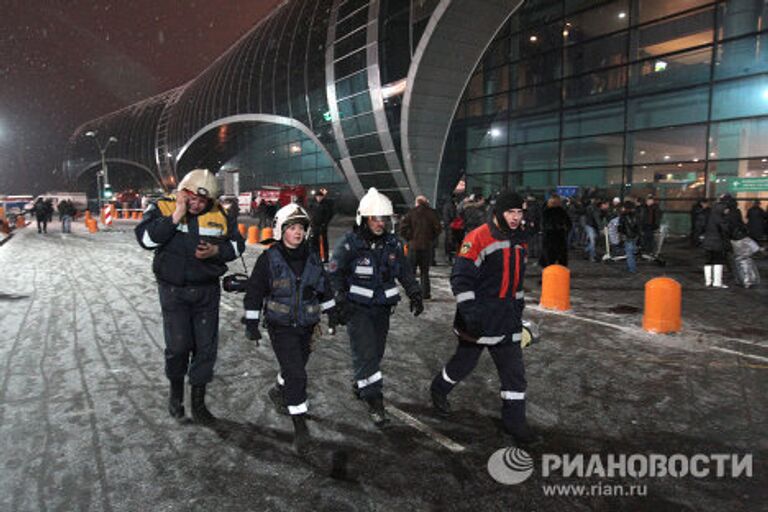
column 252, row 330
column 333, row 319
column 417, row 305
column 470, row 319
column 344, row 310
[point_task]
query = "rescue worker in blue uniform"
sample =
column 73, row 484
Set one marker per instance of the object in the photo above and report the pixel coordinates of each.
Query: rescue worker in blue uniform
column 487, row 280
column 291, row 286
column 192, row 239
column 363, row 270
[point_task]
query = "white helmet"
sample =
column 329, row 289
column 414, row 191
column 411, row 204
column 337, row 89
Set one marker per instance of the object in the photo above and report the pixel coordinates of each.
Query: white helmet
column 287, row 215
column 201, row 182
column 373, row 204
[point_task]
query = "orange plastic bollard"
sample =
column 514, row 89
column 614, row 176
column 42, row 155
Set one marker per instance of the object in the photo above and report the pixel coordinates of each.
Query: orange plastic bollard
column 556, row 288
column 663, row 305
column 266, row 233
column 20, row 221
column 253, row 235
column 242, row 229
column 141, row 215
column 87, row 215
column 91, row 225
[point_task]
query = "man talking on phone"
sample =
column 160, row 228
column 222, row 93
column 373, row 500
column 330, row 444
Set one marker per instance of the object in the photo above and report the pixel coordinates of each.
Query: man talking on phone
column 192, row 238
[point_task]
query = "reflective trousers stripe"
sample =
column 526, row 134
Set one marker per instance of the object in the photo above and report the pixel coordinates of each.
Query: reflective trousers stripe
column 446, row 378
column 370, row 380
column 327, row 305
column 298, row 409
column 280, row 380
column 513, row 395
column 251, row 314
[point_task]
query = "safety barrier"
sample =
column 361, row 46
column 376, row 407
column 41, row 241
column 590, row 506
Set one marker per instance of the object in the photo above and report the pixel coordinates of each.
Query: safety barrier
column 20, row 222
column 266, row 233
column 663, row 306
column 91, row 224
column 107, row 215
column 253, row 235
column 556, row 288
column 243, row 229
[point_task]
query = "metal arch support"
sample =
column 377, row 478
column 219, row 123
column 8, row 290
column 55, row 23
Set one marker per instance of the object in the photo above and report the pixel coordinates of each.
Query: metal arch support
column 455, row 39
column 330, row 90
column 97, row 163
column 260, row 118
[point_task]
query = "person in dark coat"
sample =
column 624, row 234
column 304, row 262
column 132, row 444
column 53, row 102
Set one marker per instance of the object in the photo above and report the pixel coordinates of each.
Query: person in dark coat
column 699, row 222
column 321, row 212
column 555, row 225
column 448, row 215
column 41, row 215
column 533, row 219
column 649, row 217
column 474, row 212
column 630, row 233
column 716, row 243
column 756, row 220
column 420, row 227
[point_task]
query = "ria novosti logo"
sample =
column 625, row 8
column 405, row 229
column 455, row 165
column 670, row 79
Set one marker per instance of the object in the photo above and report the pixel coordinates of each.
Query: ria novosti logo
column 510, row 466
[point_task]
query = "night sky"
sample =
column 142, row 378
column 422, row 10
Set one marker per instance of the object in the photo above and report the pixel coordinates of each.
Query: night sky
column 65, row 62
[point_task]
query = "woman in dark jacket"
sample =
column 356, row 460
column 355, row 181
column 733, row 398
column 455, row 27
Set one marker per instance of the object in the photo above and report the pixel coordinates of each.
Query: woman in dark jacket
column 716, row 243
column 756, row 219
column 555, row 224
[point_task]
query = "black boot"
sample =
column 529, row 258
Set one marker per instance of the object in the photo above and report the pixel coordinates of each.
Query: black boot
column 200, row 412
column 523, row 436
column 275, row 394
column 440, row 401
column 515, row 424
column 377, row 412
column 176, row 399
column 301, row 438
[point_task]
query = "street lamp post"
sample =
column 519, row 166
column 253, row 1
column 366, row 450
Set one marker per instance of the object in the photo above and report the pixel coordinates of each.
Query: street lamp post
column 104, row 185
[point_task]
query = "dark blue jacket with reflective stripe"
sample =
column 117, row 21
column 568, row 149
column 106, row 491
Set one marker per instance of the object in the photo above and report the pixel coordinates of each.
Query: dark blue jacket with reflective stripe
column 294, row 300
column 365, row 270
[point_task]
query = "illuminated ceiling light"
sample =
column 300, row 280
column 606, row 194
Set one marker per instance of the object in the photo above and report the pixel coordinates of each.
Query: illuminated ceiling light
column 659, row 66
column 533, row 39
column 765, row 94
column 712, row 154
column 622, row 15
column 667, row 157
column 565, row 32
column 679, row 165
column 494, row 132
column 764, row 160
column 295, row 148
column 695, row 159
column 670, row 176
column 642, row 151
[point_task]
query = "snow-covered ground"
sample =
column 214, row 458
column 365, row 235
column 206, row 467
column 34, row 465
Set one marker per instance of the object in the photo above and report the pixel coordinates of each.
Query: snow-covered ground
column 84, row 426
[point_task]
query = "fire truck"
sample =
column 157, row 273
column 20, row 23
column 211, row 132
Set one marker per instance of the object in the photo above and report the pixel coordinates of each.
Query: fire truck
column 272, row 195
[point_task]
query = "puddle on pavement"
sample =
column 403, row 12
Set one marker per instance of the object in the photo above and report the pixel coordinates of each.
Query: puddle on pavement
column 624, row 309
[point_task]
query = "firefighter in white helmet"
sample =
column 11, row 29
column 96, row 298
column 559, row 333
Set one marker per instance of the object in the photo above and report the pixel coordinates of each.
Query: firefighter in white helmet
column 192, row 239
column 363, row 270
column 289, row 285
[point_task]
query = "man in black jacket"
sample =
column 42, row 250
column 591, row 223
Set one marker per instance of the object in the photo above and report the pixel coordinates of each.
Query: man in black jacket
column 192, row 239
column 320, row 212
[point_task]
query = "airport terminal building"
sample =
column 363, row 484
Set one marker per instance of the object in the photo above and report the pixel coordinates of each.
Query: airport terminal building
column 622, row 97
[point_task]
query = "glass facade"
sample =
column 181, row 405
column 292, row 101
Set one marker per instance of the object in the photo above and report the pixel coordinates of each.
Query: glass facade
column 627, row 97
